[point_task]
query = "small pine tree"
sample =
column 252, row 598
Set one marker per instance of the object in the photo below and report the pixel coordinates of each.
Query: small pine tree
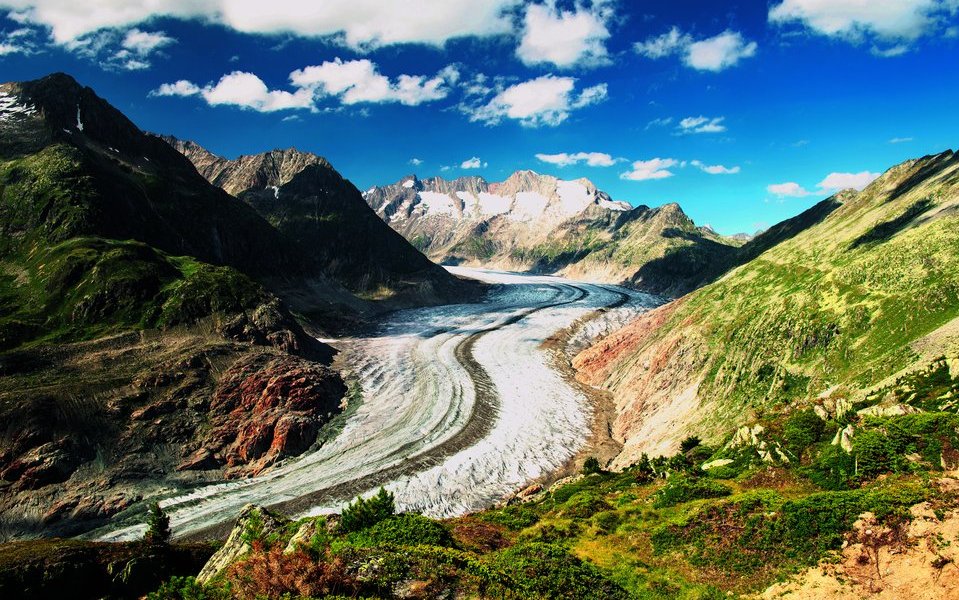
column 591, row 465
column 365, row 513
column 158, row 525
column 644, row 470
column 689, row 443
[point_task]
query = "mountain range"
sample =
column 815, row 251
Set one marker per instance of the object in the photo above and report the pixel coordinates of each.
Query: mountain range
column 542, row 224
column 147, row 333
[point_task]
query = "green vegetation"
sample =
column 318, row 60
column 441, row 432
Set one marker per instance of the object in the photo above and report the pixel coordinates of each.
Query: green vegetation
column 591, row 466
column 367, row 512
column 158, row 525
column 838, row 304
column 83, row 288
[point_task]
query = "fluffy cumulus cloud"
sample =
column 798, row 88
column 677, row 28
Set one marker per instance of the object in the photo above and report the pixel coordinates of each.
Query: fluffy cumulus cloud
column 702, row 124
column 790, row 189
column 357, row 81
column 238, row 88
column 473, row 163
column 358, row 23
column 711, row 54
column 714, row 169
column 831, row 183
column 842, row 181
column 592, row 159
column 351, row 82
column 416, row 161
column 892, row 25
column 544, row 101
column 565, row 38
column 719, row 52
column 655, row 168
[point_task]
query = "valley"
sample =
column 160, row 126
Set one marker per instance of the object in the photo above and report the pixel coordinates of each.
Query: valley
column 458, row 407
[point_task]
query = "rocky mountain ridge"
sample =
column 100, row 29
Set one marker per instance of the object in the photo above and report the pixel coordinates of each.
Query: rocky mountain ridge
column 312, row 205
column 539, row 223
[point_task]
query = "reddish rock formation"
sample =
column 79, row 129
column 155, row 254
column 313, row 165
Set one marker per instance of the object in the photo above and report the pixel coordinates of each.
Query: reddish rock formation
column 266, row 408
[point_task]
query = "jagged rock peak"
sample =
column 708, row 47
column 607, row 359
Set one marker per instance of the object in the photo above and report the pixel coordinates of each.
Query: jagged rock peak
column 249, row 171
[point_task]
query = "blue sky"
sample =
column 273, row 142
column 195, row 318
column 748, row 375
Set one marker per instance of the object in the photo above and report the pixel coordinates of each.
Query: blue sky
column 745, row 113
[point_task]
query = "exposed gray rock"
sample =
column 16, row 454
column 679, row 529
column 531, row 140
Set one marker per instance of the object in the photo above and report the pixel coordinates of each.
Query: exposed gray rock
column 254, row 522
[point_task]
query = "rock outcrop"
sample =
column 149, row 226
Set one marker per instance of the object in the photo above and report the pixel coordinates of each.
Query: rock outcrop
column 266, row 408
column 254, row 522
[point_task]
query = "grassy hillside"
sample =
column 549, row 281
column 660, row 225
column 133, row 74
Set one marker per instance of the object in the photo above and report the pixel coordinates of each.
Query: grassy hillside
column 708, row 522
column 832, row 311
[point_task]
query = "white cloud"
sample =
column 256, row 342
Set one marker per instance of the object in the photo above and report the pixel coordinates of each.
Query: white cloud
column 546, row 100
column 246, row 90
column 12, row 48
column 565, row 38
column 895, row 23
column 659, row 122
column 789, row 189
column 352, row 82
column 135, row 49
column 356, row 81
column 238, row 88
column 416, row 161
column 831, row 183
column 592, row 159
column 358, row 23
column 900, row 140
column 702, row 124
column 711, row 54
column 667, row 44
column 145, row 42
column 719, row 52
column 179, row 88
column 842, row 181
column 715, row 169
column 473, row 163
column 656, row 168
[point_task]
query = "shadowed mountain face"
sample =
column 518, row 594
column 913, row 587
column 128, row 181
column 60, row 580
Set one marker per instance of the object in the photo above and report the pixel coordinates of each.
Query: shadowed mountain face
column 836, row 304
column 138, row 352
column 79, row 167
column 538, row 223
column 305, row 198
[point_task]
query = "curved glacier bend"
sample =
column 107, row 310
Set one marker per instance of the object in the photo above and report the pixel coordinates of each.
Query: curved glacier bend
column 461, row 406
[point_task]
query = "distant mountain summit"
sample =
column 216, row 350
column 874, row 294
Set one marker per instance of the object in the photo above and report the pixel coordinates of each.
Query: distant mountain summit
column 544, row 224
column 311, row 204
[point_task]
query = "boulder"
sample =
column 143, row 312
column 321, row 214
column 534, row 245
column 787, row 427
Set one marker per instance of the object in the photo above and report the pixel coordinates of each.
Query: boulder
column 254, row 522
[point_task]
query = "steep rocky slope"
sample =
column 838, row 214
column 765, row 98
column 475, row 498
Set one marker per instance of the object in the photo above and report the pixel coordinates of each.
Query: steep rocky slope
column 837, row 303
column 138, row 353
column 543, row 224
column 307, row 200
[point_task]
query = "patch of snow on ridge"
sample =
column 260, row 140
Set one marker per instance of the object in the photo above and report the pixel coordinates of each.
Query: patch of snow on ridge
column 528, row 206
column 470, row 204
column 491, row 204
column 615, row 205
column 573, row 197
column 437, row 204
column 11, row 107
column 408, row 183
